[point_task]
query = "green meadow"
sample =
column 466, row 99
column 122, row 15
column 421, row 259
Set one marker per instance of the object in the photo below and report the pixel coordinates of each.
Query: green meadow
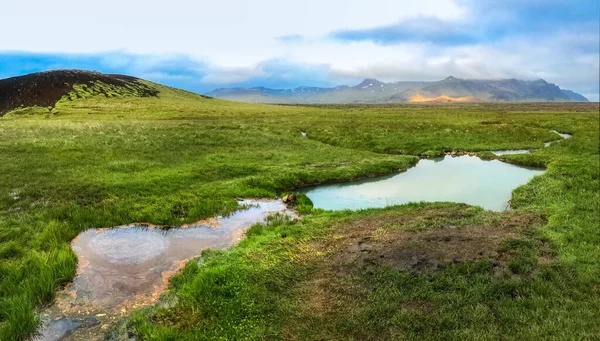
column 422, row 271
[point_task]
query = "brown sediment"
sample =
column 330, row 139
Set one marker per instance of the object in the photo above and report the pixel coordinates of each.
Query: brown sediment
column 81, row 264
column 178, row 265
column 67, row 303
column 141, row 300
column 210, row 222
column 124, row 268
column 213, row 222
column 238, row 235
column 152, row 297
column 460, row 153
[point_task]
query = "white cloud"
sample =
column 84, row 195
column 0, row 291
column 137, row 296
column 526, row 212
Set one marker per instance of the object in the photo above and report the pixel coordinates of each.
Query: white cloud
column 225, row 32
column 557, row 59
column 231, row 75
column 230, row 40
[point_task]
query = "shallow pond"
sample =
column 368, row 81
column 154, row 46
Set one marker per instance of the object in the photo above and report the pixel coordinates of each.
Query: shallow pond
column 465, row 179
column 124, row 268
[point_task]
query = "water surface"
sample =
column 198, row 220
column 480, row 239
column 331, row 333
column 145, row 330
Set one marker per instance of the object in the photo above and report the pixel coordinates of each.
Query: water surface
column 513, row 151
column 124, row 268
column 464, row 179
column 527, row 151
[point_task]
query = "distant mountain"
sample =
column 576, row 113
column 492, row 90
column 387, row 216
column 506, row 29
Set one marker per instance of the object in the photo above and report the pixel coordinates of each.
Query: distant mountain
column 575, row 97
column 372, row 91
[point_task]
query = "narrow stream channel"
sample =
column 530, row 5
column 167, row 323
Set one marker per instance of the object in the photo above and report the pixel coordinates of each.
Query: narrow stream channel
column 526, row 151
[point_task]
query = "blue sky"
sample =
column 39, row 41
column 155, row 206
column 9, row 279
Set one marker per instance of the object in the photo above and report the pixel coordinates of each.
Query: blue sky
column 230, row 43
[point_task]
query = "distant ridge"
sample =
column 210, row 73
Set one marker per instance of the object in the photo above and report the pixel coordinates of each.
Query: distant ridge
column 373, row 91
column 575, row 96
column 44, row 89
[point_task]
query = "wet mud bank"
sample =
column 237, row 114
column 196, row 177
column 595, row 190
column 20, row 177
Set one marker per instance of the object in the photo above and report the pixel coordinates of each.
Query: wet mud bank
column 124, row 268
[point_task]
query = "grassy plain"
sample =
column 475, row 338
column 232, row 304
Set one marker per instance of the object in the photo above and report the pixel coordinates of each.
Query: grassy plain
column 99, row 162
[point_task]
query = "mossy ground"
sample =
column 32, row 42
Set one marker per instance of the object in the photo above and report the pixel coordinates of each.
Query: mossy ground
column 100, row 161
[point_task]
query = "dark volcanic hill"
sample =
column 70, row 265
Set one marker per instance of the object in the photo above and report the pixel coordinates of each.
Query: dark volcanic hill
column 44, row 89
column 450, row 89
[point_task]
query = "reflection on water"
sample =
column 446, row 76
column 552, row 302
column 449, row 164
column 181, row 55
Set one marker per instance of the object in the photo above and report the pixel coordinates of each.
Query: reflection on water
column 465, row 179
column 506, row 152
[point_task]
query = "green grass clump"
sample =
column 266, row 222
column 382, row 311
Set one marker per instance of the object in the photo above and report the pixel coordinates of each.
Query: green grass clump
column 101, row 158
column 305, row 205
column 274, row 288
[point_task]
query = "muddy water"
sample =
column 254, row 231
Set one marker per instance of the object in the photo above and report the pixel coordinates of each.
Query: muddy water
column 465, row 179
column 526, row 151
column 124, row 268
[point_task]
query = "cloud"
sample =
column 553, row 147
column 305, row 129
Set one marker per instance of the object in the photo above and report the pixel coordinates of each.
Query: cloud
column 273, row 73
column 538, row 13
column 172, row 70
column 554, row 58
column 418, row 29
column 227, row 32
column 202, row 45
column 485, row 22
column 291, row 38
column 232, row 75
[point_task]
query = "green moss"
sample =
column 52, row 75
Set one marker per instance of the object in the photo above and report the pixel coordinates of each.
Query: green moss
column 28, row 111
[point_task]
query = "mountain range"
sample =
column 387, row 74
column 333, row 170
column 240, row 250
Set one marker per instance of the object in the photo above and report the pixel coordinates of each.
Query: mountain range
column 372, row 91
column 46, row 89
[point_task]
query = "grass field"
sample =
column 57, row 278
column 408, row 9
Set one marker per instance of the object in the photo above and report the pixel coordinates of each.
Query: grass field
column 99, row 162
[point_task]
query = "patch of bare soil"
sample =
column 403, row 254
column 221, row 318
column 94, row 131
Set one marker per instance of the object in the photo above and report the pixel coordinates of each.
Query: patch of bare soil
column 371, row 243
column 390, row 239
column 44, row 89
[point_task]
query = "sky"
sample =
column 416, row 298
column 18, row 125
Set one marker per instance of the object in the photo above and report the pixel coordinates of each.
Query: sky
column 200, row 45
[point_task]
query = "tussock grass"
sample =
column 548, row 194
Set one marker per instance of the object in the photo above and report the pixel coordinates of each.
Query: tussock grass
column 99, row 161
